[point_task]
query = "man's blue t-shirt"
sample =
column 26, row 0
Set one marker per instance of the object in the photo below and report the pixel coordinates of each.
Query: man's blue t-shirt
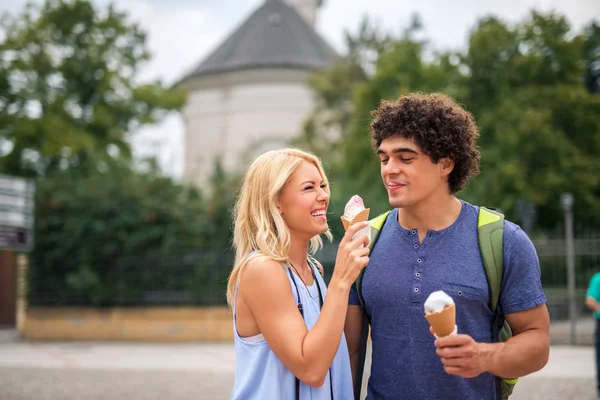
column 401, row 274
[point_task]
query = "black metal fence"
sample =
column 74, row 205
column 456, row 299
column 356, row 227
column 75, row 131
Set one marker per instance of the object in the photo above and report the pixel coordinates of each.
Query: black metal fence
column 553, row 263
column 200, row 278
column 194, row 278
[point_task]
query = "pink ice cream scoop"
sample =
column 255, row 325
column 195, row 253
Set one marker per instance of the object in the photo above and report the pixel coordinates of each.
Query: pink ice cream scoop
column 353, row 207
column 354, row 212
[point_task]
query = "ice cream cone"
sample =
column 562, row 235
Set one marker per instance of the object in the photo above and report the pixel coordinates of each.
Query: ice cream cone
column 444, row 322
column 360, row 217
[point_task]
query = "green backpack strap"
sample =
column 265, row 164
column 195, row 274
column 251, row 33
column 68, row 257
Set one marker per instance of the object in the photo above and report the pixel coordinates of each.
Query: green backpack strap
column 490, row 231
column 376, row 225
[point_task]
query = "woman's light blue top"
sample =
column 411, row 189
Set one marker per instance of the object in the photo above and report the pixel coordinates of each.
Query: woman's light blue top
column 259, row 375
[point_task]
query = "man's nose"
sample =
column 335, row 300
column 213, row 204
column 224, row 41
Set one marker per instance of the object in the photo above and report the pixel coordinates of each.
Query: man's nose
column 391, row 167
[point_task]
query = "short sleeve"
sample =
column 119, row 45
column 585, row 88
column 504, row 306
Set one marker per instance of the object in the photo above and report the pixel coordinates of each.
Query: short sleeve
column 353, row 299
column 594, row 288
column 521, row 282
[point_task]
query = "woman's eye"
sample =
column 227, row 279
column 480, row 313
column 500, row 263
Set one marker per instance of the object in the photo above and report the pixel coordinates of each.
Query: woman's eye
column 308, row 188
column 323, row 186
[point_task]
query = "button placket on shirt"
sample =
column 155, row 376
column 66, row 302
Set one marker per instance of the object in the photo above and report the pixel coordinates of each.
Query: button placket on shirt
column 417, row 272
column 418, row 266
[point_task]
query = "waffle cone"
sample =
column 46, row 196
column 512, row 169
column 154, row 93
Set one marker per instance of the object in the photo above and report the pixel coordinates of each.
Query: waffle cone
column 443, row 322
column 360, row 217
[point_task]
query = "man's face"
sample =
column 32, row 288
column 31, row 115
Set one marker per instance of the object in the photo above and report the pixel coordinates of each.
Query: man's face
column 409, row 175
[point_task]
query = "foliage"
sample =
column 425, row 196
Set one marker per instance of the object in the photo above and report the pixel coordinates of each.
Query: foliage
column 540, row 135
column 532, row 88
column 69, row 100
column 86, row 223
column 68, row 94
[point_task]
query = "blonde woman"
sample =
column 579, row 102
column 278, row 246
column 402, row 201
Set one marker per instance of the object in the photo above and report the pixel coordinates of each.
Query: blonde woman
column 288, row 325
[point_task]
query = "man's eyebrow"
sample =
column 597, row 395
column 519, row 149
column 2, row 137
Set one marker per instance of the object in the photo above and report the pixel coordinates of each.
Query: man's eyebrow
column 399, row 150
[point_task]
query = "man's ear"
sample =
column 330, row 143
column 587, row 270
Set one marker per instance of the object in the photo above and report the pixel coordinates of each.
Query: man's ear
column 447, row 165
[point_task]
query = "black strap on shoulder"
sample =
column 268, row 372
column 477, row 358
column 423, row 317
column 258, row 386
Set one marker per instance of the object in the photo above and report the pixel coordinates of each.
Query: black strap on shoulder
column 301, row 309
column 321, row 302
column 301, row 313
column 297, row 292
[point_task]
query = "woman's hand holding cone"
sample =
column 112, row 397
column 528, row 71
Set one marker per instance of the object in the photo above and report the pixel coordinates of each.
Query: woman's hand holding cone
column 352, row 256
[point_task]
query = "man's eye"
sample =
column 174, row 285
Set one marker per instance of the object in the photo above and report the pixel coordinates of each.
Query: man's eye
column 383, row 160
column 404, row 159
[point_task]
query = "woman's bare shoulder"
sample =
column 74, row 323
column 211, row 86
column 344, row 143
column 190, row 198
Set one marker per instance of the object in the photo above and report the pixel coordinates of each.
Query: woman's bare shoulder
column 262, row 271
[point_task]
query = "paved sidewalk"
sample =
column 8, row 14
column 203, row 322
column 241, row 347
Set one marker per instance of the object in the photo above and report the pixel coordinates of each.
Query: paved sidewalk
column 218, row 358
column 114, row 371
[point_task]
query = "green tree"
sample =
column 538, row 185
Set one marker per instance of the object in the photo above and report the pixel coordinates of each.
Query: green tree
column 540, row 135
column 377, row 66
column 591, row 56
column 334, row 88
column 219, row 206
column 492, row 48
column 87, row 222
column 68, row 90
column 531, row 87
column 406, row 65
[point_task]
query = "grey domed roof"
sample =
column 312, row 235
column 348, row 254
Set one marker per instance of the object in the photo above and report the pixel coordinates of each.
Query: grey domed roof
column 274, row 36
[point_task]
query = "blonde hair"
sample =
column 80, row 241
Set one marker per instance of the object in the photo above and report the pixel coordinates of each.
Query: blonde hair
column 259, row 227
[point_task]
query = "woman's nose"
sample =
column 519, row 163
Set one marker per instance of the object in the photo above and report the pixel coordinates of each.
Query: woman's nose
column 323, row 195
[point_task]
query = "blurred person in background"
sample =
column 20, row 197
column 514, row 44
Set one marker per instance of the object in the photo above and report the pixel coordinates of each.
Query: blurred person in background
column 592, row 300
column 288, row 325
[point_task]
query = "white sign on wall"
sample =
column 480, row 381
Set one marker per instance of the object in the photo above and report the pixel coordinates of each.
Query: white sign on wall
column 16, row 213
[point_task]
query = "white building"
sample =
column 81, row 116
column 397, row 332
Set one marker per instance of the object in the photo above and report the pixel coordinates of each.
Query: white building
column 250, row 94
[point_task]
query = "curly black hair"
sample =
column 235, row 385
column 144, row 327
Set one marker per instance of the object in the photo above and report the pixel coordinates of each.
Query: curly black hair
column 438, row 125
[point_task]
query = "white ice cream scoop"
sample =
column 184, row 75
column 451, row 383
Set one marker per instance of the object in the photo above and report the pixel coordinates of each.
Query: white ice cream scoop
column 437, row 301
column 440, row 312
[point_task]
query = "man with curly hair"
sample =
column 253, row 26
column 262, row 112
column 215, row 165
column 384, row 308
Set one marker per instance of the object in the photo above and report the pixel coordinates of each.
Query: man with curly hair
column 426, row 144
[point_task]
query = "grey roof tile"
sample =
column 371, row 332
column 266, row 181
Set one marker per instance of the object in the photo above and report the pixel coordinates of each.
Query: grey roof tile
column 274, row 36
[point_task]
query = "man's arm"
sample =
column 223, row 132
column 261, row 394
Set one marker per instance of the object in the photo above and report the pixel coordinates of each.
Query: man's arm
column 592, row 304
column 356, row 331
column 526, row 352
column 523, row 302
column 592, row 294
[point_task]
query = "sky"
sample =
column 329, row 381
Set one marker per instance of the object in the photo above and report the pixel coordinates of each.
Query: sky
column 182, row 32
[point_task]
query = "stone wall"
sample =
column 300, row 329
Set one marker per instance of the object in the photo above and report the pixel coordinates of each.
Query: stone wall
column 161, row 324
